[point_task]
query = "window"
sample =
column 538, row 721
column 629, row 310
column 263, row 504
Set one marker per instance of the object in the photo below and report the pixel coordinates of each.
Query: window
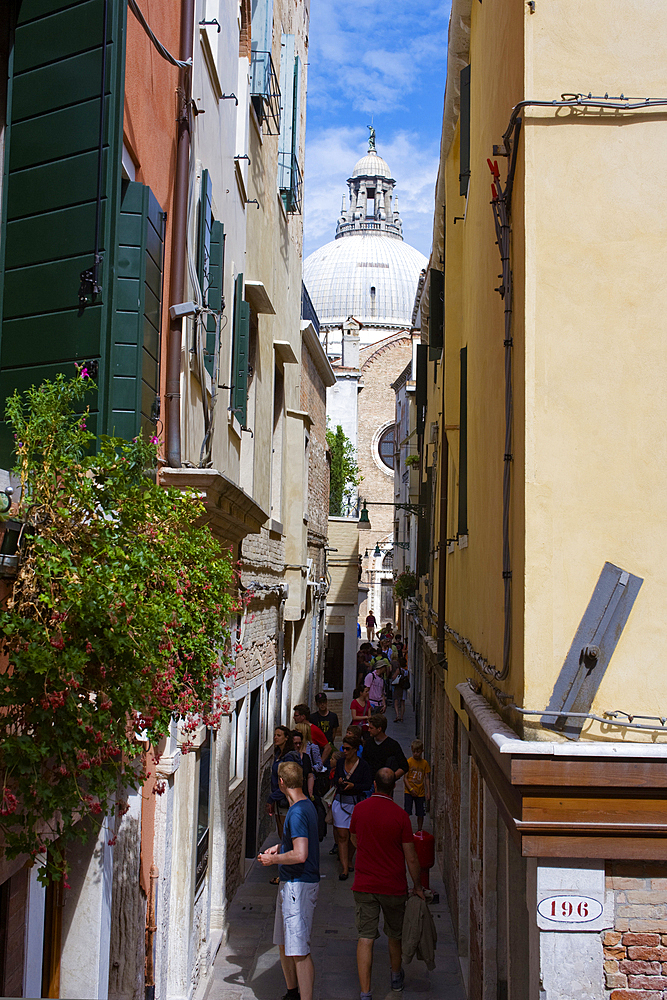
column 464, row 139
column 269, row 711
column 463, row 446
column 203, row 808
column 237, row 742
column 289, row 172
column 277, row 443
column 240, row 348
column 386, row 447
column 210, row 254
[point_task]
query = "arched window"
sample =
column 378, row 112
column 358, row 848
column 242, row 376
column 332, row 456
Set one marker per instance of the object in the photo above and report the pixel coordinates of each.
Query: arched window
column 386, row 447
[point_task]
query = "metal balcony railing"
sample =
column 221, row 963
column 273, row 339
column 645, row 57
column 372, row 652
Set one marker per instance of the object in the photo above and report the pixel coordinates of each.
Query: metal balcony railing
column 265, row 91
column 291, row 182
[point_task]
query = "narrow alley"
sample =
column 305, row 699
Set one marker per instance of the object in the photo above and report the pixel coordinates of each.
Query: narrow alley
column 248, row 965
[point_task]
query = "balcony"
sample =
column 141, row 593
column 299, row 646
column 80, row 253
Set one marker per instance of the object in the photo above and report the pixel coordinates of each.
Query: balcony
column 265, row 91
column 290, row 182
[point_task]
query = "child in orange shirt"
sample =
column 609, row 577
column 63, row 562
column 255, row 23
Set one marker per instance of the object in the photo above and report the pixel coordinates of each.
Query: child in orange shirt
column 417, row 783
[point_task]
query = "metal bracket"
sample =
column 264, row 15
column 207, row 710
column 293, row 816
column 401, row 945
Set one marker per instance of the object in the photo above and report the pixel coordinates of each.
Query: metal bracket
column 202, row 24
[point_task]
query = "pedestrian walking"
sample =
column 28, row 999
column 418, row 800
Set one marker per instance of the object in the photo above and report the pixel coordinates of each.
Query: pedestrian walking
column 326, row 720
column 298, row 857
column 371, row 622
column 305, row 762
column 302, row 714
column 382, row 834
column 417, row 783
column 360, row 707
column 400, row 682
column 374, row 681
column 381, row 751
column 277, row 804
column 353, row 779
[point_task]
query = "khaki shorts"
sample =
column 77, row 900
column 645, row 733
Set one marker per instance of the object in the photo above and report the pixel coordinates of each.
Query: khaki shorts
column 367, row 906
column 293, row 924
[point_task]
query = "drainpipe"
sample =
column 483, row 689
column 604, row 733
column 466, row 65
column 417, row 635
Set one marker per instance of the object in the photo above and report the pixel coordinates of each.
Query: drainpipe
column 178, row 242
column 151, row 927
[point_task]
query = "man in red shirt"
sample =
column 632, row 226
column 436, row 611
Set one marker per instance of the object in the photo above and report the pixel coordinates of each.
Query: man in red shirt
column 384, row 845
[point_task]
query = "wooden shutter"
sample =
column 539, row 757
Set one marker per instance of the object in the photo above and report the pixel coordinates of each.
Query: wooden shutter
column 593, row 646
column 262, row 25
column 285, row 141
column 420, row 388
column 204, row 235
column 463, row 446
column 216, row 269
column 240, row 353
column 50, row 194
column 436, row 301
column 136, row 329
column 464, row 162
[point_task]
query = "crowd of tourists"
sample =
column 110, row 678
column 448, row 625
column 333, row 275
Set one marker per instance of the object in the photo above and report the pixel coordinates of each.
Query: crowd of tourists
column 319, row 779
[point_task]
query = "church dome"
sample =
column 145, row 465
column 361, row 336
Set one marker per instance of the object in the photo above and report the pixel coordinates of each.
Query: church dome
column 371, row 165
column 368, row 275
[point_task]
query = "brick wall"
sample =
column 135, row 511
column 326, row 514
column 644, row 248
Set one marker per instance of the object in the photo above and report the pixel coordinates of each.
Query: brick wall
column 380, row 365
column 635, row 952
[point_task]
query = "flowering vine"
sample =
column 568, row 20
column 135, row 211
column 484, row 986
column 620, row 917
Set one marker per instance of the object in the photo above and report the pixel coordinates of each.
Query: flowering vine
column 116, row 625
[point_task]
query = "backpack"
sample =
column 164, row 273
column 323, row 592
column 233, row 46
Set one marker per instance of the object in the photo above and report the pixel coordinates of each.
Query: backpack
column 404, row 680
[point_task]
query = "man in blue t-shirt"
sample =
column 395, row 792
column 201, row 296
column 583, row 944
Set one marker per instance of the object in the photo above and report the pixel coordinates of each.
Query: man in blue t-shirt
column 298, row 858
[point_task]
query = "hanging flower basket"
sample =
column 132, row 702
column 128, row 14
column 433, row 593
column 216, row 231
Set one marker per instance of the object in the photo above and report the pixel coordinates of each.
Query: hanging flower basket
column 405, row 585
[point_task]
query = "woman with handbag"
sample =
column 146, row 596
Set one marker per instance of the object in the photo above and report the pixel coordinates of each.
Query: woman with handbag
column 352, row 780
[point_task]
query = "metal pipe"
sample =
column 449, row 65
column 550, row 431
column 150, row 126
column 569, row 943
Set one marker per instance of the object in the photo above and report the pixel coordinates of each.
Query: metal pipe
column 579, row 101
column 178, row 243
column 609, row 718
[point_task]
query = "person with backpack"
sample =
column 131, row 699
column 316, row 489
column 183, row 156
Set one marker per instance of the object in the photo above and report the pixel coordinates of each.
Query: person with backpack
column 374, row 681
column 400, row 680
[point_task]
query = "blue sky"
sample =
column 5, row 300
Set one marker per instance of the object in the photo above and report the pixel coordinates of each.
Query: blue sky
column 381, row 58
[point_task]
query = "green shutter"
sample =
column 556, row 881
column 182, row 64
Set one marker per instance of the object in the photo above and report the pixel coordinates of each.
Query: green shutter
column 240, row 353
column 420, row 388
column 464, row 161
column 463, row 446
column 135, row 333
column 424, row 524
column 50, row 194
column 436, row 304
column 216, row 269
column 204, row 235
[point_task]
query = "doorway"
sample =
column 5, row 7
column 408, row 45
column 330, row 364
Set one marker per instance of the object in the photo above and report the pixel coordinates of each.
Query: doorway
column 334, row 661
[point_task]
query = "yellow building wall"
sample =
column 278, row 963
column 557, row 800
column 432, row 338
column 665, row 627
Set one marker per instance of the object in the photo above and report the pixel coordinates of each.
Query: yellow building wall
column 595, row 362
column 589, row 475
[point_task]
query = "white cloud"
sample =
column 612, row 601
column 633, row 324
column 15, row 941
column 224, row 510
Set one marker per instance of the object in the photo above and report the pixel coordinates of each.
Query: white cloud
column 369, row 55
column 330, row 157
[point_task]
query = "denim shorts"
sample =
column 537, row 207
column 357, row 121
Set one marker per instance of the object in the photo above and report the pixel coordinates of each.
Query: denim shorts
column 295, row 907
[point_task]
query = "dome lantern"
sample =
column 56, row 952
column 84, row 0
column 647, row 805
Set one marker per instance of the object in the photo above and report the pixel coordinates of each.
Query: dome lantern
column 371, row 188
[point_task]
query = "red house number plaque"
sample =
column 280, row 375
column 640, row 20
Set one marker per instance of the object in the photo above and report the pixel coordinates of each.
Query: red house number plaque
column 569, row 909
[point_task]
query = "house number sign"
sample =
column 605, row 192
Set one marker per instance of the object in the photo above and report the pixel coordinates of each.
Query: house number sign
column 569, row 909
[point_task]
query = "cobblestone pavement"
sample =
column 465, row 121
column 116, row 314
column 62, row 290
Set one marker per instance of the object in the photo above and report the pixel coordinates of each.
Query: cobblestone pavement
column 248, row 965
